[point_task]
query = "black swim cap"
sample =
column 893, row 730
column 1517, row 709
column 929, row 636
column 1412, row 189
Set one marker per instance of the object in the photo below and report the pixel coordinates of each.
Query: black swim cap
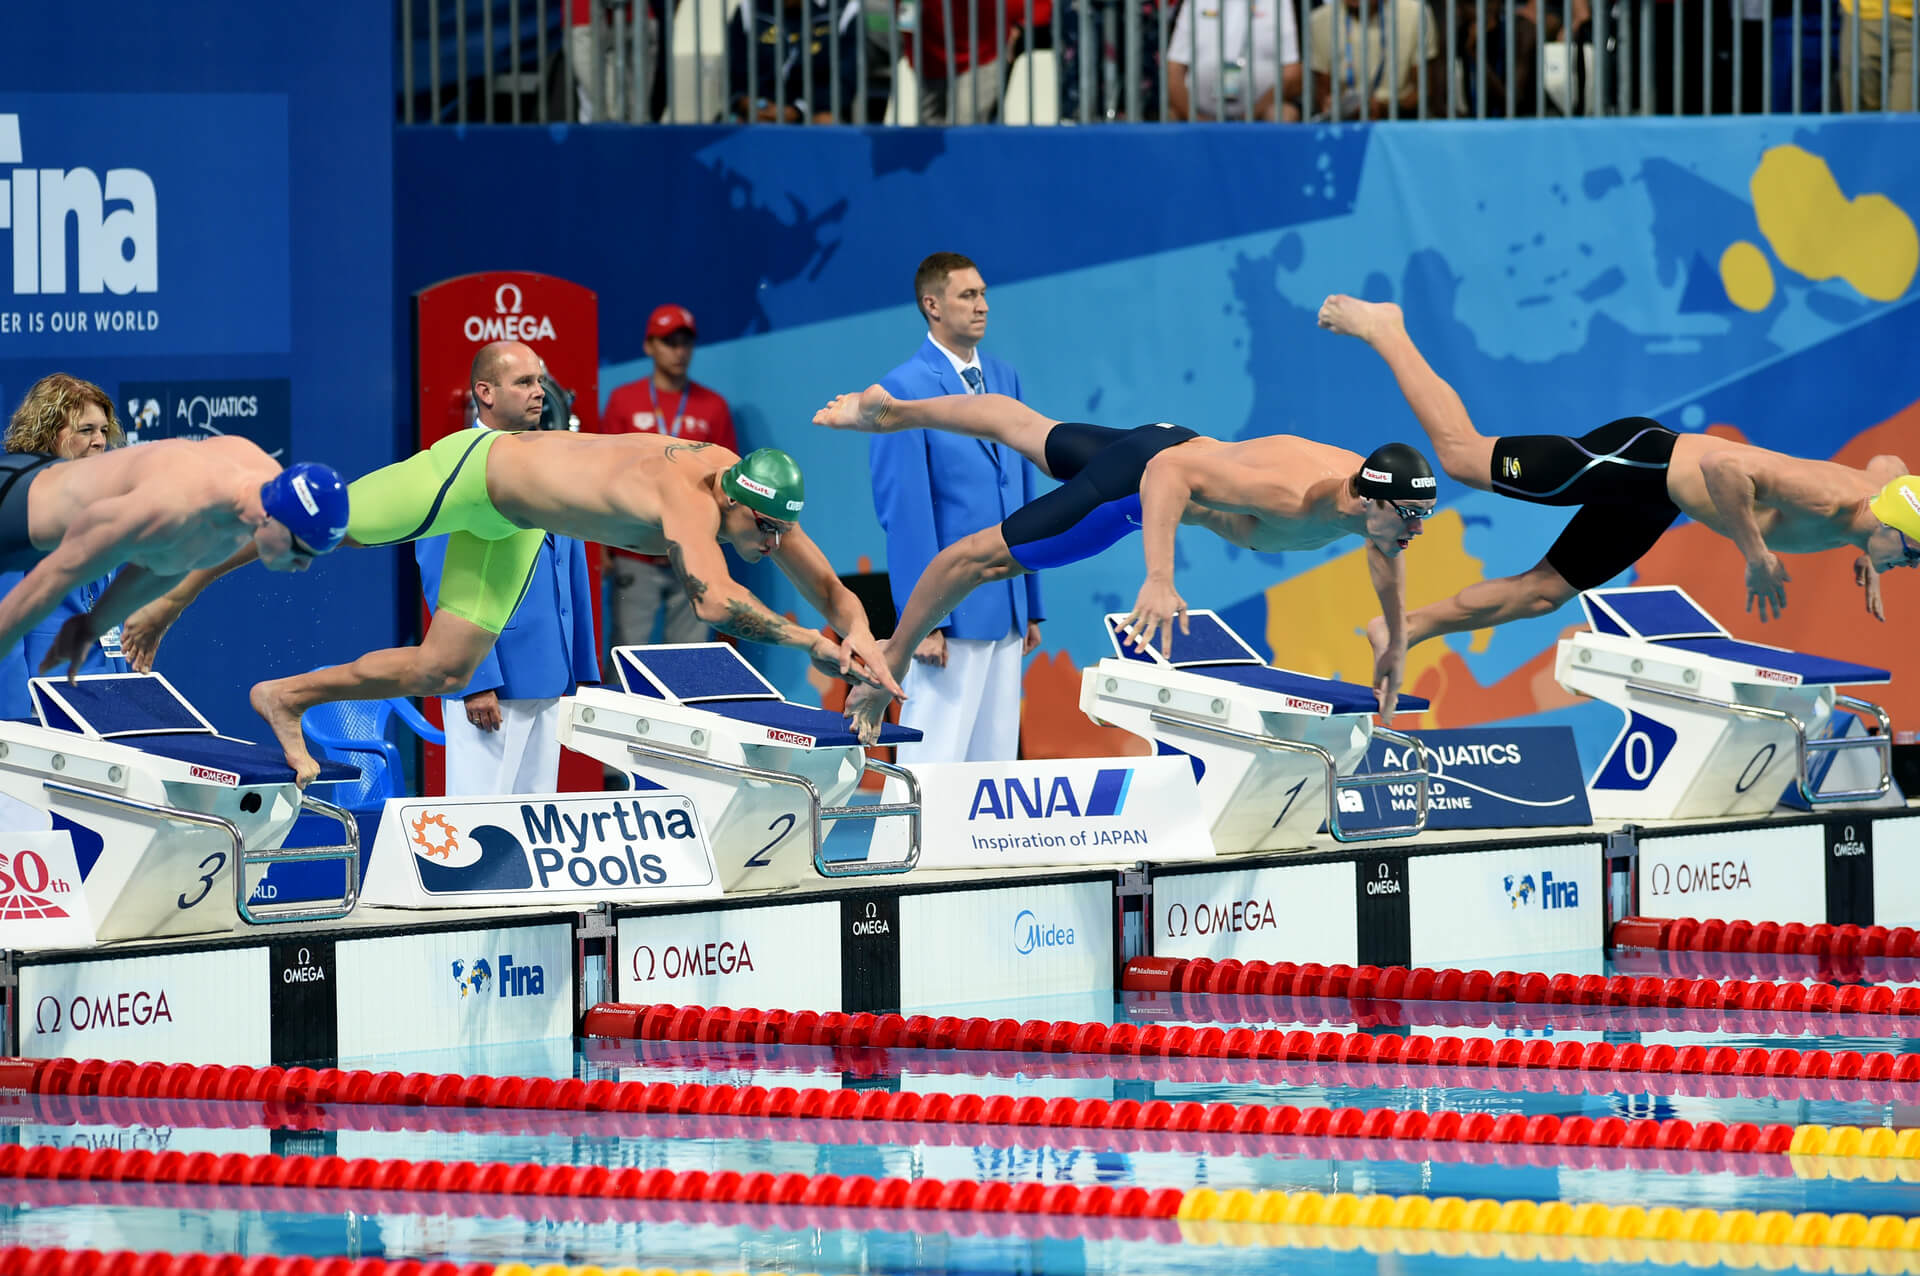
column 1396, row 472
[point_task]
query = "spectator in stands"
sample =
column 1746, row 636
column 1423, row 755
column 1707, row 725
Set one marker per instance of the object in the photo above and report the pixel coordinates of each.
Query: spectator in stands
column 616, row 67
column 796, row 47
column 1893, row 56
column 65, row 417
column 961, row 67
column 1349, row 49
column 1212, row 74
column 1110, row 76
column 1526, row 58
column 667, row 401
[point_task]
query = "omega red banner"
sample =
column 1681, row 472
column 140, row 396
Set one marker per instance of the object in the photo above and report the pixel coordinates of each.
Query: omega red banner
column 452, row 320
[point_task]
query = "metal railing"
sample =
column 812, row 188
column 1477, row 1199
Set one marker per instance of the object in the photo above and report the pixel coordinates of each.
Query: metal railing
column 1090, row 61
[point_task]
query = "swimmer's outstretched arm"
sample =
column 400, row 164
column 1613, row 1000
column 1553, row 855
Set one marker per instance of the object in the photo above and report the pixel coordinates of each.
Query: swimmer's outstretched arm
column 133, row 588
column 94, row 544
column 1736, row 482
column 808, row 569
column 690, row 529
column 147, row 623
column 1166, row 488
column 1389, row 577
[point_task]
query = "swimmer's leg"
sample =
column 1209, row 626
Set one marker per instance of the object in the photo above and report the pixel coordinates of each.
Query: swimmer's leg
column 953, row 574
column 1464, row 453
column 443, row 663
column 1481, row 605
column 981, row 416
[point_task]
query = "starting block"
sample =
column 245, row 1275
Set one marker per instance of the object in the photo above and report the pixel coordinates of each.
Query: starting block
column 697, row 719
column 1273, row 751
column 172, row 823
column 1713, row 723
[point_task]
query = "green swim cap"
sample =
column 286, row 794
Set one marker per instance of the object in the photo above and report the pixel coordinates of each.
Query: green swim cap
column 767, row 481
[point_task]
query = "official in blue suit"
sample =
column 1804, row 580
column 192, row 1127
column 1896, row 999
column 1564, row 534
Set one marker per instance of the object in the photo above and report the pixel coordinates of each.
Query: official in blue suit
column 502, row 728
column 929, row 490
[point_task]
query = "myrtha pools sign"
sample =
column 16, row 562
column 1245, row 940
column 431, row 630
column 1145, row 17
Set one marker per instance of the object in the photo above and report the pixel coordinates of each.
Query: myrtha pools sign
column 561, row 849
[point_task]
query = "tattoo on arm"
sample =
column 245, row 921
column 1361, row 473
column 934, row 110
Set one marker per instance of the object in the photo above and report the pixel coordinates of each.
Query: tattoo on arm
column 695, row 587
column 672, row 448
column 744, row 620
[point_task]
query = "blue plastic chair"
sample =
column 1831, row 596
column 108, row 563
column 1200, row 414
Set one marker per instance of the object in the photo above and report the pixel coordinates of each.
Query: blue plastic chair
column 356, row 732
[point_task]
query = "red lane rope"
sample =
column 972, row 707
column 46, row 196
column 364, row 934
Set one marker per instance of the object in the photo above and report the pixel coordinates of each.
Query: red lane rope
column 1397, row 983
column 953, row 1196
column 1819, row 939
column 18, row 1260
column 1566, row 1058
column 586, row 1210
column 1315, row 1012
column 759, row 1113
column 868, row 1062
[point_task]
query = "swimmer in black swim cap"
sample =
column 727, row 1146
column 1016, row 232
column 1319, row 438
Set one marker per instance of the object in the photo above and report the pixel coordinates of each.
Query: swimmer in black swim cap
column 1274, row 493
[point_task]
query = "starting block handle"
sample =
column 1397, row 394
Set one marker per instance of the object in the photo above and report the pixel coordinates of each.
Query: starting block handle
column 347, row 853
column 816, row 812
column 1336, row 783
column 1881, row 744
column 241, row 859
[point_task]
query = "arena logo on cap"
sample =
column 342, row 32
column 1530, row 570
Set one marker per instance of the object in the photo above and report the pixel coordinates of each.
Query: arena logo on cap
column 1421, row 480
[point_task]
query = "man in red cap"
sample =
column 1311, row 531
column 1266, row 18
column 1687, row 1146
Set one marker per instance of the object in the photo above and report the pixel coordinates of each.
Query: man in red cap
column 666, row 402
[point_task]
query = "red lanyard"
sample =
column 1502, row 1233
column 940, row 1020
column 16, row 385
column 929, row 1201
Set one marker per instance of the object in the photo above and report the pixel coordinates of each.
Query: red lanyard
column 667, row 425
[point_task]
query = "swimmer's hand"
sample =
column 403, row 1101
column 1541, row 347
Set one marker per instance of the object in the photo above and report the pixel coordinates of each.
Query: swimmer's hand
column 932, row 650
column 1388, row 671
column 856, row 660
column 866, row 711
column 140, row 633
column 1767, row 585
column 70, row 646
column 1869, row 580
column 1153, row 614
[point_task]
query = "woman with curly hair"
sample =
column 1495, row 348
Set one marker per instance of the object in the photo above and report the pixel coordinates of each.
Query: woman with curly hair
column 62, row 418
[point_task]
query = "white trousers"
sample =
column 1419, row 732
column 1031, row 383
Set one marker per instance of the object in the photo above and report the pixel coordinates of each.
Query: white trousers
column 968, row 711
column 523, row 756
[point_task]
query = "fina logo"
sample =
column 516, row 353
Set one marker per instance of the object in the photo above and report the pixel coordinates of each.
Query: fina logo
column 1009, row 798
column 472, row 978
column 1553, row 894
column 1031, row 935
column 116, row 251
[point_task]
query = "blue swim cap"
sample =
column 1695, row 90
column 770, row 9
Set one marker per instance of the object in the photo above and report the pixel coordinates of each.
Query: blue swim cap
column 311, row 500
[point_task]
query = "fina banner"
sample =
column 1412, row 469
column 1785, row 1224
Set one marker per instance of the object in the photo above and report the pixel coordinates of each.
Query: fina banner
column 1052, row 811
column 1483, row 778
column 127, row 229
column 554, row 849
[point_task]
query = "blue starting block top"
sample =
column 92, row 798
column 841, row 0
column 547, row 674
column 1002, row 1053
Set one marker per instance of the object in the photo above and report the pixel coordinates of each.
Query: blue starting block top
column 1665, row 615
column 1212, row 649
column 714, row 677
column 145, row 712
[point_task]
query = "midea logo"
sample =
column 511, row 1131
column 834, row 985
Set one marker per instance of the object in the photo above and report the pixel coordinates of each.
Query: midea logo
column 1030, row 934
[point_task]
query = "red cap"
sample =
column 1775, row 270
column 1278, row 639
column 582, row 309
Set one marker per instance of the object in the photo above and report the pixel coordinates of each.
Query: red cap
column 669, row 319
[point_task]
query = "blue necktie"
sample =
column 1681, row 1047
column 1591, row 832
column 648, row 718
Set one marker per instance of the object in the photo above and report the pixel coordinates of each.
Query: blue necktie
column 976, row 384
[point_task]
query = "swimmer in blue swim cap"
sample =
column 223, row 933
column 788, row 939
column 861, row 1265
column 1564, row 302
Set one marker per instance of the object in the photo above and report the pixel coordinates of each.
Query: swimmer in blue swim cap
column 159, row 511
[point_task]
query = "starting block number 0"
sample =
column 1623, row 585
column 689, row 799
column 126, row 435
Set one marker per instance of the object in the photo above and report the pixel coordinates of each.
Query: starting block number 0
column 1638, row 749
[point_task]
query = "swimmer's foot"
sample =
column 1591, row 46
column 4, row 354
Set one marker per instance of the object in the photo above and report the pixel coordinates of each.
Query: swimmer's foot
column 1352, row 317
column 872, row 411
column 269, row 701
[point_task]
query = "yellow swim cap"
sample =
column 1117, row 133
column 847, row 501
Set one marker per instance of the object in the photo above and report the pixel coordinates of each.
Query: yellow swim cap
column 1898, row 506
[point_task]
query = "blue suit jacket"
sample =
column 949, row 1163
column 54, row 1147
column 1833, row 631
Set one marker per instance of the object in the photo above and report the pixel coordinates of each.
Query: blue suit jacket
column 23, row 662
column 930, row 489
column 548, row 648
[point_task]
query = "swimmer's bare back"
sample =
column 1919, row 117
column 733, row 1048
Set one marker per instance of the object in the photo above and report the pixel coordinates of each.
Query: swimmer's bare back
column 1805, row 508
column 186, row 498
column 1288, row 486
column 608, row 488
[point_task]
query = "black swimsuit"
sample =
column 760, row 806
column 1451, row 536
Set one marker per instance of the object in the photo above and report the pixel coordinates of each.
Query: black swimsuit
column 1617, row 474
column 17, row 473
